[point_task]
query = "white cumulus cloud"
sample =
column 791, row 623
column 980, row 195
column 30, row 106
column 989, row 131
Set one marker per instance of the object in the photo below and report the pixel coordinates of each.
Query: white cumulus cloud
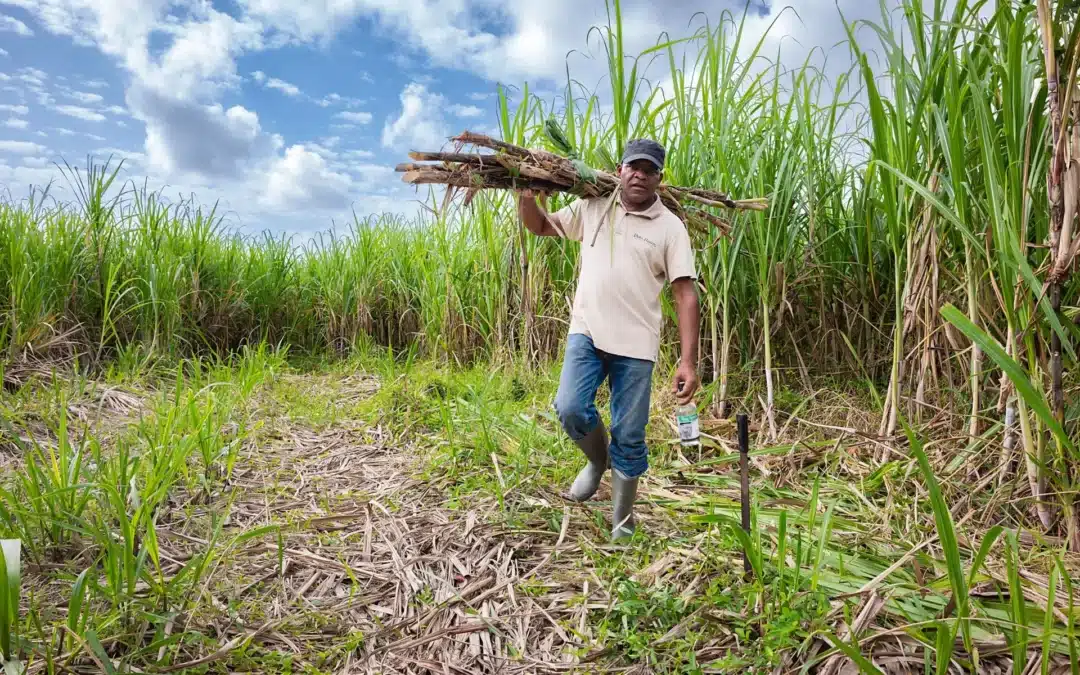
column 354, row 117
column 184, row 136
column 181, row 57
column 534, row 41
column 9, row 24
column 22, row 147
column 203, row 55
column 302, row 178
column 80, row 112
column 33, row 77
column 420, row 125
column 283, row 86
column 357, row 154
column 16, row 123
column 335, row 99
column 466, row 111
column 85, row 97
column 274, row 83
column 15, row 109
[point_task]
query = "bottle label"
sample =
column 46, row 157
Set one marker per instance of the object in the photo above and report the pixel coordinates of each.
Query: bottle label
column 689, row 429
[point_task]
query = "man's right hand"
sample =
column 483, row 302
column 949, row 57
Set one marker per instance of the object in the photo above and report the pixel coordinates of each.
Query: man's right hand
column 524, row 197
column 534, row 218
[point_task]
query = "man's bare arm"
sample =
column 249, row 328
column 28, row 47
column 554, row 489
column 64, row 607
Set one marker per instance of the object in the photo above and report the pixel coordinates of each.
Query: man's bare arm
column 534, row 218
column 688, row 311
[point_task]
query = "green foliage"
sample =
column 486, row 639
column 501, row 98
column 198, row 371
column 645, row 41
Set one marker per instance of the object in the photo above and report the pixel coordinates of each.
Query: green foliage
column 84, row 502
column 816, row 283
column 10, row 586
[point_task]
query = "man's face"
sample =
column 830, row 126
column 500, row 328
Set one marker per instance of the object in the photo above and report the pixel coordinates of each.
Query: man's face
column 639, row 179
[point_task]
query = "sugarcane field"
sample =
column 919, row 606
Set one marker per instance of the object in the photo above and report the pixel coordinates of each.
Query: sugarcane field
column 452, row 336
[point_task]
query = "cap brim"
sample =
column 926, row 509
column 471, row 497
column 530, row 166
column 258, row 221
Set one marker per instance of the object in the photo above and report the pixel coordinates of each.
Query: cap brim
column 634, row 158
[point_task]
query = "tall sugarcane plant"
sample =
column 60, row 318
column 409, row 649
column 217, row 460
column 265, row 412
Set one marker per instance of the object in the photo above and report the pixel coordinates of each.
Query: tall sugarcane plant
column 1061, row 62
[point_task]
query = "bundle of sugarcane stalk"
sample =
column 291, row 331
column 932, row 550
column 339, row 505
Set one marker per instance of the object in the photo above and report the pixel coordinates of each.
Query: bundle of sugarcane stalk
column 511, row 167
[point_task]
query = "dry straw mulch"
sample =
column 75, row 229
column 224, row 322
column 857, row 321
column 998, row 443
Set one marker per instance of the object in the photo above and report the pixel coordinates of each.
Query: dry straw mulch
column 430, row 587
column 377, row 572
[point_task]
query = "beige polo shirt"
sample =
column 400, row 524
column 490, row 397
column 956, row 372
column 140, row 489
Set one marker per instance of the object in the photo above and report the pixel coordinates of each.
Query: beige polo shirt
column 626, row 258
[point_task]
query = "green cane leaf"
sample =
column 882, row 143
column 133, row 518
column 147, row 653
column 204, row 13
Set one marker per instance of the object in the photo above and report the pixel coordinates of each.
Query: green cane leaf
column 1035, row 399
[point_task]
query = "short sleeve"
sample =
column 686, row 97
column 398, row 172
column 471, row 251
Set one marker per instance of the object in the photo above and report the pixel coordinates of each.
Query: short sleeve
column 679, row 257
column 568, row 220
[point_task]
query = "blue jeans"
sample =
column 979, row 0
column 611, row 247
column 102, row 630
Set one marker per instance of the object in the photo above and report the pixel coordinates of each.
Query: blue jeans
column 584, row 369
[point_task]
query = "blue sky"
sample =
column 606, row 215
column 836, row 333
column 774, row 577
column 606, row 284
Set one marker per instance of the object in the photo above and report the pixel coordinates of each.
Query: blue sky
column 292, row 113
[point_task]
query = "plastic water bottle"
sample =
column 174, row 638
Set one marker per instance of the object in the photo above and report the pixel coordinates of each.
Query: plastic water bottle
column 689, row 429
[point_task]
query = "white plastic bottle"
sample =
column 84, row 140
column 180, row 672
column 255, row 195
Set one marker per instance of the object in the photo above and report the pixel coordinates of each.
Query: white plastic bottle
column 689, row 429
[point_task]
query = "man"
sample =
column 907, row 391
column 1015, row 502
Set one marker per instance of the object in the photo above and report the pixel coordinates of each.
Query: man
column 631, row 245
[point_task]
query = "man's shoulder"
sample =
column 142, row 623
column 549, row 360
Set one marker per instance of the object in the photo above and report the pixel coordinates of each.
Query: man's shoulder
column 581, row 204
column 592, row 202
column 668, row 220
column 589, row 207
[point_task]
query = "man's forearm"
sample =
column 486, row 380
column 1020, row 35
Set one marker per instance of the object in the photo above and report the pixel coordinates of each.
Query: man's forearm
column 689, row 314
column 534, row 218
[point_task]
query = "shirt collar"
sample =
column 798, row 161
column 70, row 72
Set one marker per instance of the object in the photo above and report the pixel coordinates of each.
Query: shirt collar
column 652, row 213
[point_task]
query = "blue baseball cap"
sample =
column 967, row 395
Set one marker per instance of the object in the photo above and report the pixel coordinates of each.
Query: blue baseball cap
column 643, row 148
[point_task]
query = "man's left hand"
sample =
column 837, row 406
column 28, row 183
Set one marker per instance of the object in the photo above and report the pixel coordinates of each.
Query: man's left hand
column 686, row 383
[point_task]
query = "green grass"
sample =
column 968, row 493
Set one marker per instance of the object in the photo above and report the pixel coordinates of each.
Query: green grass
column 487, row 440
column 10, row 595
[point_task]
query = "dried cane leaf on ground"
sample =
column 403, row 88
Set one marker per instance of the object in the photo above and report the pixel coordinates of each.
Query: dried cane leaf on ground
column 371, row 542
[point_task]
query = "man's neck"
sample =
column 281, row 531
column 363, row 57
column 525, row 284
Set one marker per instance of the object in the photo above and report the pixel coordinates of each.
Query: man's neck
column 642, row 206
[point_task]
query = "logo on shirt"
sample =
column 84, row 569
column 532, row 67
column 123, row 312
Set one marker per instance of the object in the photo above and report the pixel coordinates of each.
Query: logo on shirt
column 650, row 242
